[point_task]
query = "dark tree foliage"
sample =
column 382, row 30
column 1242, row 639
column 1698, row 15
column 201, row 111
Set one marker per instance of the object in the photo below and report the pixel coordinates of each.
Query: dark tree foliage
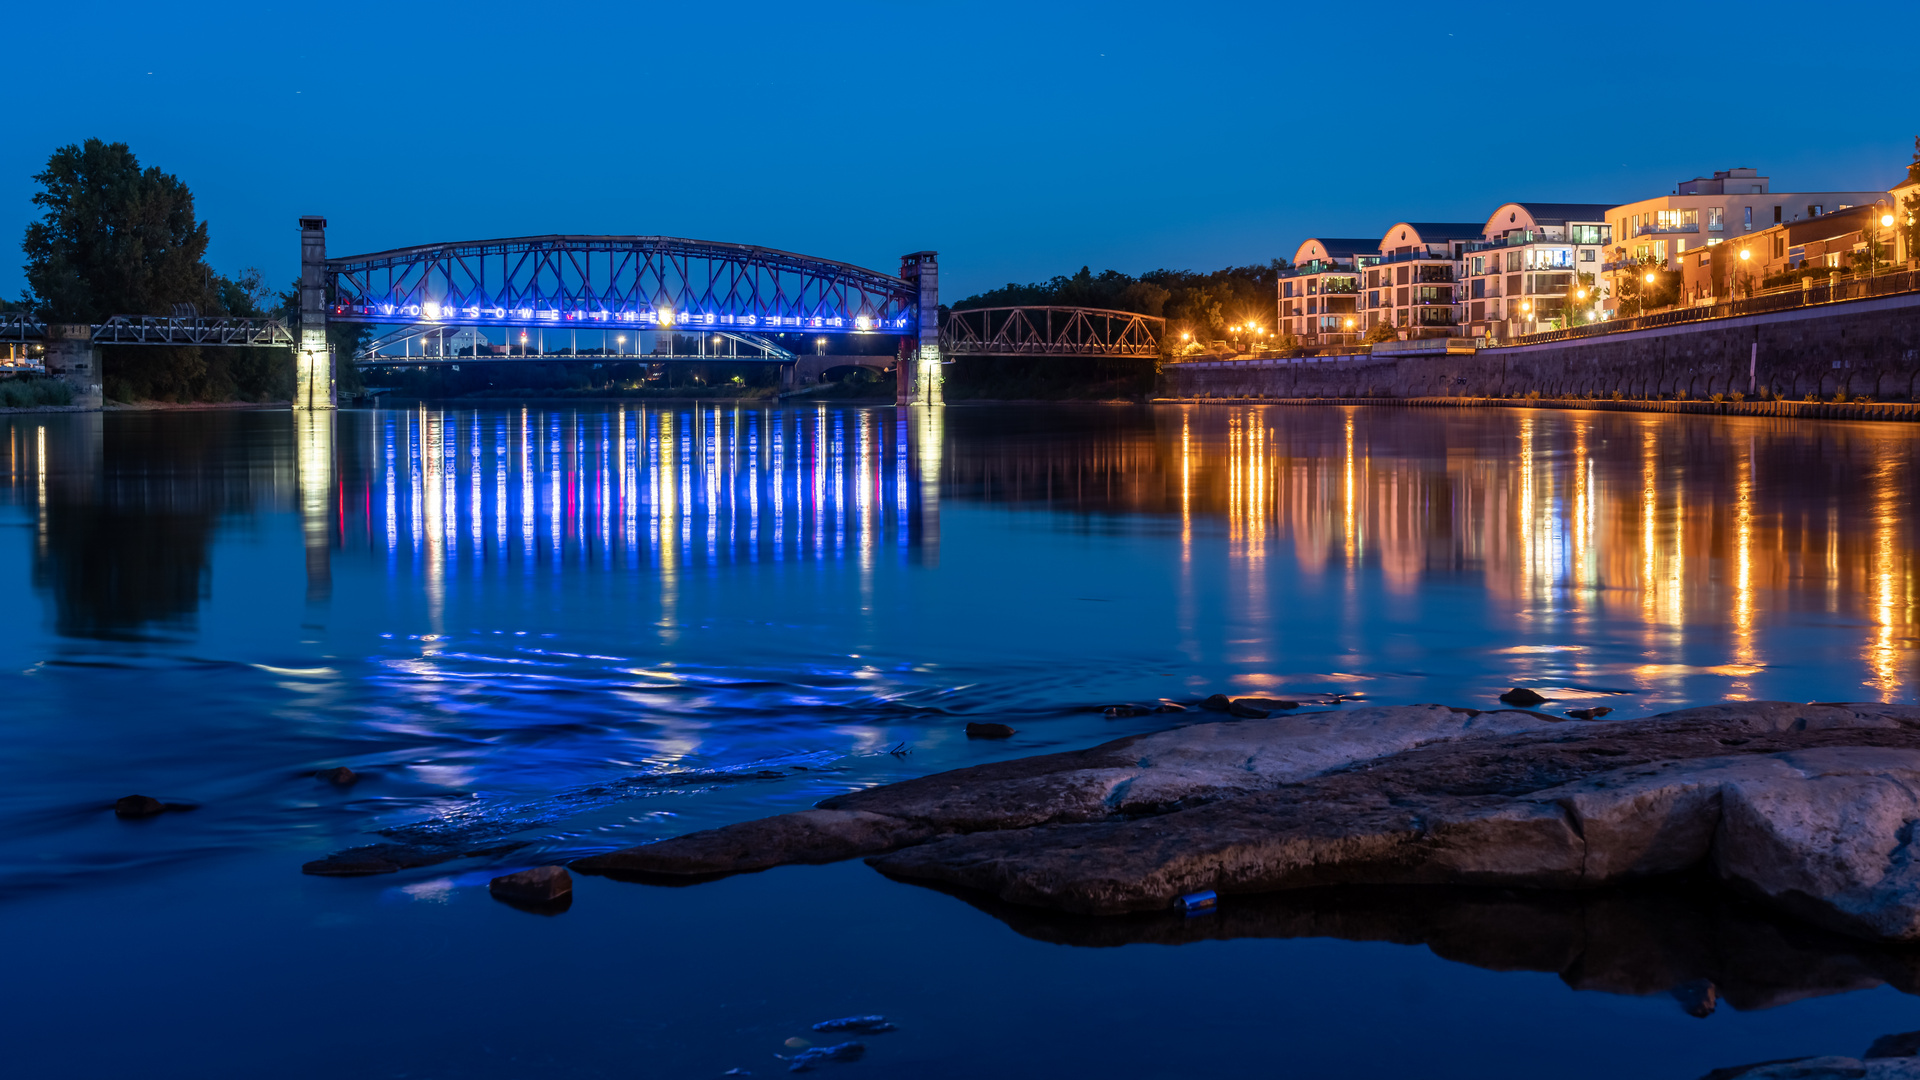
column 1202, row 304
column 117, row 239
column 114, row 240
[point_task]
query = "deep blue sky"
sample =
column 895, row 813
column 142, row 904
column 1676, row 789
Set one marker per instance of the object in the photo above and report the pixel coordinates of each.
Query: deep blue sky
column 1018, row 139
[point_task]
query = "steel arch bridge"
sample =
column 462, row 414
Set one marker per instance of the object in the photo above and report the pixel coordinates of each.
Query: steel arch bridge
column 1051, row 331
column 636, row 283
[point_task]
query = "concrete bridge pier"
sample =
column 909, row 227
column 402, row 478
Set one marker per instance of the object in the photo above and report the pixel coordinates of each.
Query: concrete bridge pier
column 312, row 356
column 73, row 358
column 918, row 381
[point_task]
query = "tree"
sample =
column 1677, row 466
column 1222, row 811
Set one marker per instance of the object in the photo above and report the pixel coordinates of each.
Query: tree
column 114, row 239
column 1382, row 331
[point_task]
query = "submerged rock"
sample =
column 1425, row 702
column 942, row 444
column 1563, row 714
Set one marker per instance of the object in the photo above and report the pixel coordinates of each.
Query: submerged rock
column 990, row 731
column 1522, row 696
column 866, row 1025
column 1217, row 703
column 1594, row 713
column 1120, row 712
column 138, row 806
column 338, row 776
column 820, row 1055
column 1169, row 707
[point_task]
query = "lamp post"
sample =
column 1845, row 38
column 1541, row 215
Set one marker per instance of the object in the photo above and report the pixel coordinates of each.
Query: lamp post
column 1744, row 256
column 1886, row 222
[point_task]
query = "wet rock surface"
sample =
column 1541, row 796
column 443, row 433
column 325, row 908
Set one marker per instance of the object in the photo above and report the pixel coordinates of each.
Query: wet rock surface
column 138, row 806
column 540, row 885
column 1806, row 806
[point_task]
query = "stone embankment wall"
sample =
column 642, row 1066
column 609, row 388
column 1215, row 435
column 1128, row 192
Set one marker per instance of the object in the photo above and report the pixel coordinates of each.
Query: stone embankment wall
column 1863, row 347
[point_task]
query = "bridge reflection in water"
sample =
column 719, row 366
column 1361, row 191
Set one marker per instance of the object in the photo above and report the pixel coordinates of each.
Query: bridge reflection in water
column 664, row 487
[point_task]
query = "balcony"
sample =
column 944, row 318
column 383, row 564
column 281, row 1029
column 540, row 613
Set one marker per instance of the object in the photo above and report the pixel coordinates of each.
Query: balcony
column 1424, row 275
column 1667, row 230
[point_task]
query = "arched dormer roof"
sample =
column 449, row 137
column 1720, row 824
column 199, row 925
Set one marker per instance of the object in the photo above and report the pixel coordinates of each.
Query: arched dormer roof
column 1516, row 215
column 1420, row 233
column 1333, row 249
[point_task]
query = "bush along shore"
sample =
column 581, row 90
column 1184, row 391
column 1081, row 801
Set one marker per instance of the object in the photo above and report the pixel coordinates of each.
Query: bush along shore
column 34, row 392
column 1804, row 807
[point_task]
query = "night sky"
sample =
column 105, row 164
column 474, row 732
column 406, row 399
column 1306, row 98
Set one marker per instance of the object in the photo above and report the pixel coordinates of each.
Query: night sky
column 1018, row 139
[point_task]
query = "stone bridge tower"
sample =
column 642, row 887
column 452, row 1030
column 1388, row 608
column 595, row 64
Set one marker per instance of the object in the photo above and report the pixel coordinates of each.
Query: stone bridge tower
column 312, row 356
column 919, row 370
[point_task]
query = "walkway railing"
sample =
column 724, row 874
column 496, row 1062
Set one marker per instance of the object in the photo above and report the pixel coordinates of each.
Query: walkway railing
column 1779, row 299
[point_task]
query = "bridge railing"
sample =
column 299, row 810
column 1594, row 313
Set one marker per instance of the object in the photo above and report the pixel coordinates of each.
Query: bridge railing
column 154, row 330
column 1050, row 331
column 159, row 330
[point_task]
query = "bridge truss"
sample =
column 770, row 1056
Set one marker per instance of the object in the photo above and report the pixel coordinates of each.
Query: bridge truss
column 633, row 283
column 159, row 330
column 427, row 345
column 1050, row 331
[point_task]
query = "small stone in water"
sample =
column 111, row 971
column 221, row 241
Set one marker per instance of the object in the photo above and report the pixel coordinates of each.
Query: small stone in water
column 1217, row 703
column 989, row 731
column 1520, row 695
column 1594, row 713
column 1698, row 997
column 797, row 1043
column 1117, row 712
column 138, row 806
column 807, row 1059
column 1240, row 708
column 338, row 776
column 540, row 885
column 1168, row 706
column 866, row 1025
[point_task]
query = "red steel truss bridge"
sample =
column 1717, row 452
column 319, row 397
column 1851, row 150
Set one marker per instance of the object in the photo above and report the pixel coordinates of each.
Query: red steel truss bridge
column 1050, row 331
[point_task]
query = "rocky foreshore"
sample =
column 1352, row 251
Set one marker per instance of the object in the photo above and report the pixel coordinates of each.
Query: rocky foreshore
column 1808, row 807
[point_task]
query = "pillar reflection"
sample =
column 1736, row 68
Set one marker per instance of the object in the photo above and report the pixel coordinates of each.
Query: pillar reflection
column 313, row 466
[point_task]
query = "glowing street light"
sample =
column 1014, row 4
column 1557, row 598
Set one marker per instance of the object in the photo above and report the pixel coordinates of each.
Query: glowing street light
column 1886, row 221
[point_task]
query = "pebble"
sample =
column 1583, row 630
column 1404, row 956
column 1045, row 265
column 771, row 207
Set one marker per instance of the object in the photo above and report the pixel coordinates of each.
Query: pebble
column 1699, row 997
column 540, row 885
column 989, row 731
column 138, row 806
column 1118, row 712
column 1594, row 713
column 1520, row 695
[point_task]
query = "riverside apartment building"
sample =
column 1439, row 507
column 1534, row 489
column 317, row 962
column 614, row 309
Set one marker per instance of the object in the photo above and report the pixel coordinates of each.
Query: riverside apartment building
column 1657, row 233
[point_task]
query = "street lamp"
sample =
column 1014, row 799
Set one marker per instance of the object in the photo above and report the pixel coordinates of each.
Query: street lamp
column 1744, row 256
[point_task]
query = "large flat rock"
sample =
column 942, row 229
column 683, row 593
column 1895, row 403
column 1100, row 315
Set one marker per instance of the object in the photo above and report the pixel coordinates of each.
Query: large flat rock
column 1807, row 806
column 1143, row 774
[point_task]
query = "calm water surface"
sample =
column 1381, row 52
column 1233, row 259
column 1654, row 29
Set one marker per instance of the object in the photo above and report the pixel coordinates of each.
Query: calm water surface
column 559, row 630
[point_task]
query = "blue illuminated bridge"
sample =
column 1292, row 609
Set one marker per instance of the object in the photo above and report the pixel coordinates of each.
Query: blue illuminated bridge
column 638, row 298
column 622, row 298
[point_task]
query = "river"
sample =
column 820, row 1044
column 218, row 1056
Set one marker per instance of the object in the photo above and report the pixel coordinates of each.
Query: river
column 557, row 629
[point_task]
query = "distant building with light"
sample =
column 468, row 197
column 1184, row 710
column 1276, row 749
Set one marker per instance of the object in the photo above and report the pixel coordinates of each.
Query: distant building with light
column 1413, row 289
column 1320, row 297
column 1657, row 233
column 1532, row 266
